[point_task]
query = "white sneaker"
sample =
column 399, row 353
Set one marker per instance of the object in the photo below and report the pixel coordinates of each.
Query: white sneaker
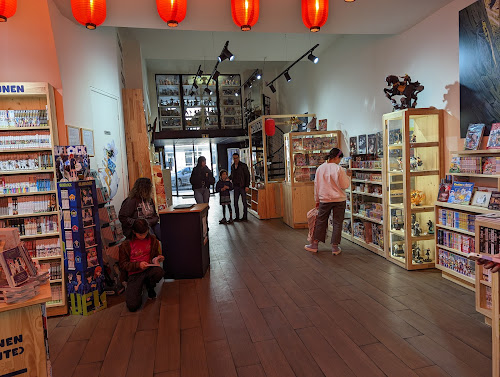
column 336, row 251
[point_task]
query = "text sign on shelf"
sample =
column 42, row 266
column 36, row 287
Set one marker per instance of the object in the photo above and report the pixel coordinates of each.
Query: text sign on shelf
column 256, row 127
column 11, row 88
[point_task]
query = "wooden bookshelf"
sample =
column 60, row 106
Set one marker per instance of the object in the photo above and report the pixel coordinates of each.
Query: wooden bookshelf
column 36, row 96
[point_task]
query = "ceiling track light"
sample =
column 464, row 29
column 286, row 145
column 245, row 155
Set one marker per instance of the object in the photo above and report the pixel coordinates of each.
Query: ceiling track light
column 226, row 54
column 199, row 72
column 313, row 58
column 286, row 73
column 208, row 91
column 256, row 75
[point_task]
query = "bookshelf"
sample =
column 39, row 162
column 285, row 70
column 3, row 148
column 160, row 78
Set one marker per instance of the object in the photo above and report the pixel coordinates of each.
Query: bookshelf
column 364, row 216
column 28, row 130
column 413, row 168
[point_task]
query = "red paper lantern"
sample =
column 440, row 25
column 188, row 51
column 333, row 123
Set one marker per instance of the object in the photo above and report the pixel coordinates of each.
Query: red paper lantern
column 245, row 13
column 7, row 9
column 172, row 12
column 270, row 127
column 89, row 13
column 314, row 14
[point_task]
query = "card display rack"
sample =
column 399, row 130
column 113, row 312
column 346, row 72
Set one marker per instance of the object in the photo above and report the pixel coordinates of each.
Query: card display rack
column 364, row 219
column 304, row 153
column 28, row 124
column 413, row 169
column 83, row 247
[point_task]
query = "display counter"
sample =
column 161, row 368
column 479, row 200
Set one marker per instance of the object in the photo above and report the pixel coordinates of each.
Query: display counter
column 23, row 343
column 184, row 236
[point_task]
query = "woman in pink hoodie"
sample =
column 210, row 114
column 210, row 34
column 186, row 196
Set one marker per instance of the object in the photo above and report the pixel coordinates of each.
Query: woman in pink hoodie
column 329, row 192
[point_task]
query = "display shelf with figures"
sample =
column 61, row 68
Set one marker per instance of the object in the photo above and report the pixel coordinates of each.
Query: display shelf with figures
column 230, row 101
column 28, row 133
column 169, row 97
column 304, row 153
column 414, row 167
column 82, row 246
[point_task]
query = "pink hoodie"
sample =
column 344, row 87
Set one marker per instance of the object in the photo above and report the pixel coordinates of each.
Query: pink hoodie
column 330, row 182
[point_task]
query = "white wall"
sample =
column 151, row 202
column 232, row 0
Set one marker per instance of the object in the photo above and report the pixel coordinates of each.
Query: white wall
column 346, row 86
column 89, row 64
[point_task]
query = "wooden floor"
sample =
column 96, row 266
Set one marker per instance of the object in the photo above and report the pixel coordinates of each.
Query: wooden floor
column 269, row 308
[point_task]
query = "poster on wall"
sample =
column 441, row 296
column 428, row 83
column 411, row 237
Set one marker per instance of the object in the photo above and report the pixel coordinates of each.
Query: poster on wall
column 109, row 174
column 479, row 64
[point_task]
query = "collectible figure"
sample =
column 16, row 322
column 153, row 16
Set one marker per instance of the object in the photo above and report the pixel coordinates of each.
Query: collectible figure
column 406, row 88
column 413, row 138
column 418, row 258
column 430, row 225
column 416, row 230
column 428, row 254
column 415, row 163
column 397, row 250
column 417, row 197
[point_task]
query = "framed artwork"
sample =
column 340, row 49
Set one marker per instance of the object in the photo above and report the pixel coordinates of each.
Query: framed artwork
column 481, row 198
column 88, row 141
column 74, row 135
column 362, row 144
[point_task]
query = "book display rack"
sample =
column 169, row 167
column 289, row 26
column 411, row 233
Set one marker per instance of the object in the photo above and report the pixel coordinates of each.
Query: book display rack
column 83, row 248
column 414, row 167
column 28, row 196
column 364, row 217
column 304, row 152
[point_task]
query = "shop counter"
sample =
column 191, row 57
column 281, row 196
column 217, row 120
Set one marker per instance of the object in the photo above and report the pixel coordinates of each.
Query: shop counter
column 184, row 236
column 23, row 342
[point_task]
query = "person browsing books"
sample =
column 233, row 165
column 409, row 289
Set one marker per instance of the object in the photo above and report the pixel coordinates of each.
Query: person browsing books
column 140, row 263
column 329, row 192
column 224, row 187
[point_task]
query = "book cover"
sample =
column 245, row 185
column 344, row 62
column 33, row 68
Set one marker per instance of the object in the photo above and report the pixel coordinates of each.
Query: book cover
column 353, row 145
column 495, row 201
column 494, row 139
column 481, row 198
column 455, row 164
column 296, row 144
column 323, row 124
column 317, row 143
column 474, row 136
column 89, row 236
column 380, row 144
column 300, row 159
column 15, row 267
column 314, row 159
column 362, row 144
column 308, row 143
column 444, row 191
column 87, row 217
column 328, row 143
column 372, row 144
column 461, row 193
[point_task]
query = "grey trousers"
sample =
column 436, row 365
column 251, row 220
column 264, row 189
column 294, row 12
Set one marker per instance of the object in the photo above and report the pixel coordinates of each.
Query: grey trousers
column 324, row 211
column 201, row 195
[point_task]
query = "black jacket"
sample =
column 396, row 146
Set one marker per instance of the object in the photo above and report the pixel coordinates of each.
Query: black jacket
column 200, row 179
column 240, row 176
column 132, row 209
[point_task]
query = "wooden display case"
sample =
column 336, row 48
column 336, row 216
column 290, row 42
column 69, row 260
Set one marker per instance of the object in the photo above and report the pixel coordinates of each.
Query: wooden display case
column 267, row 166
column 414, row 166
column 24, row 99
column 365, row 213
column 304, row 152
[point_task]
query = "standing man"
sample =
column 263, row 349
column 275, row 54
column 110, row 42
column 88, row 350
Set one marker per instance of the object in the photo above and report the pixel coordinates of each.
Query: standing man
column 241, row 182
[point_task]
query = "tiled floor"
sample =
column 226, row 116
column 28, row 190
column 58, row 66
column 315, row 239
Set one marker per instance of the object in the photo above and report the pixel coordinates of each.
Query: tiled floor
column 269, row 308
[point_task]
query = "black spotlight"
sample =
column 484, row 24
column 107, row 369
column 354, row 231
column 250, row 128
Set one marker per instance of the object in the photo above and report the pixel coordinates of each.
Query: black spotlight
column 250, row 84
column 226, row 54
column 216, row 75
column 313, row 58
column 195, row 85
column 287, row 76
column 208, row 91
column 258, row 76
column 273, row 89
column 236, row 93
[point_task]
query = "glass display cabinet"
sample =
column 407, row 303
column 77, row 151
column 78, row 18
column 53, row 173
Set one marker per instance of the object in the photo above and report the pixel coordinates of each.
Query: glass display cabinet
column 169, row 102
column 230, row 101
column 304, row 152
column 200, row 107
column 414, row 167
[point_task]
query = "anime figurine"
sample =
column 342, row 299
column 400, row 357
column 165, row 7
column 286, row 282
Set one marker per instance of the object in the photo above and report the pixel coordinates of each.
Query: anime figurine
column 417, row 197
column 430, row 225
column 416, row 230
column 428, row 254
column 406, row 88
column 418, row 258
column 413, row 138
column 415, row 163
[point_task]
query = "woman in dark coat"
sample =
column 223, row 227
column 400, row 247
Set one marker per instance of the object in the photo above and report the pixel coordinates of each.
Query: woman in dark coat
column 201, row 179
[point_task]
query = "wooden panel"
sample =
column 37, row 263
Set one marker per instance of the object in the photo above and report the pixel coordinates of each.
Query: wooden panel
column 433, row 371
column 273, row 360
column 68, row 359
column 57, row 340
column 136, row 137
column 189, row 311
column 287, row 204
column 251, row 371
column 254, row 321
column 142, row 360
column 220, row 362
column 23, row 327
column 387, row 361
column 193, row 357
column 87, row 370
column 168, row 344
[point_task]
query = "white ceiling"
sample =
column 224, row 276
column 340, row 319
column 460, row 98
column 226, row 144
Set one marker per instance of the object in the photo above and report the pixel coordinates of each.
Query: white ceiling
column 276, row 16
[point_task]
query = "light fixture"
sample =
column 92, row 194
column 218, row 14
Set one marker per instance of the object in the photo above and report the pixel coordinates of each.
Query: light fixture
column 226, row 54
column 258, row 76
column 313, row 58
column 89, row 13
column 245, row 13
column 215, row 76
column 195, row 85
column 237, row 93
column 172, row 12
column 7, row 9
column 191, row 93
column 287, row 76
column 250, row 84
column 349, row 1
column 314, row 14
column 273, row 89
column 208, row 91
